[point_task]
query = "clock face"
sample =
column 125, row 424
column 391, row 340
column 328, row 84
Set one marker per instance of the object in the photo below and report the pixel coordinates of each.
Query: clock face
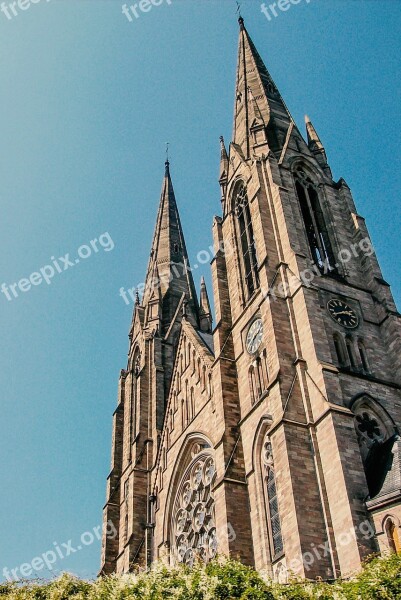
column 342, row 313
column 254, row 336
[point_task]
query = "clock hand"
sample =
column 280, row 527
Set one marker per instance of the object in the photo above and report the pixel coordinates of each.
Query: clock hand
column 254, row 336
column 252, row 340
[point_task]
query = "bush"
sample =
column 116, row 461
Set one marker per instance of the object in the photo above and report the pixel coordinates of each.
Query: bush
column 379, row 580
column 222, row 579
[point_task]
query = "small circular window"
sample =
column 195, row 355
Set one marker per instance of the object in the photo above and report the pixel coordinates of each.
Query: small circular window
column 368, row 426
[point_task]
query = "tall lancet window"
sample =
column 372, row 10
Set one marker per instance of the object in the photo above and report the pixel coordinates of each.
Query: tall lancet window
column 316, row 229
column 246, row 240
column 271, row 499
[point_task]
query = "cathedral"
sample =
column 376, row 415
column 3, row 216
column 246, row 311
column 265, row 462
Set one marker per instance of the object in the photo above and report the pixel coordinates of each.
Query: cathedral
column 271, row 433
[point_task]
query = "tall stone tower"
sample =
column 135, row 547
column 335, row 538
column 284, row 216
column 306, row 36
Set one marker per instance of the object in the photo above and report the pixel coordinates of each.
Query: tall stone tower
column 274, row 437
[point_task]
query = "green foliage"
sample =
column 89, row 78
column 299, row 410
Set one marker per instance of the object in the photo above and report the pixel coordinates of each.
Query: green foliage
column 379, row 580
column 222, row 579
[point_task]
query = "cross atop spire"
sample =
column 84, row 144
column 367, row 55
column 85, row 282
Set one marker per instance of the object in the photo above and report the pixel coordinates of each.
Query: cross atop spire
column 240, row 19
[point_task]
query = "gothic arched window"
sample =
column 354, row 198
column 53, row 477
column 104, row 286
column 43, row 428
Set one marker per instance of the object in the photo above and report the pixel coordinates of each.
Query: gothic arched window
column 316, row 229
column 252, row 384
column 265, row 369
column 188, row 405
column 246, row 240
column 126, row 529
column 261, row 374
column 258, row 377
column 393, row 539
column 363, row 356
column 136, row 371
column 271, row 499
column 193, row 526
column 183, row 417
column 274, row 514
column 350, row 351
column 373, row 425
column 192, row 401
column 340, row 348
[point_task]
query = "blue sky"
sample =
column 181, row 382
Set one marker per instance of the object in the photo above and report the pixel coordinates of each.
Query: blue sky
column 88, row 100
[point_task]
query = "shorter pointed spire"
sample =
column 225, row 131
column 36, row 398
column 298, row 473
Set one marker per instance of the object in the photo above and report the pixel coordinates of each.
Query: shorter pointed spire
column 205, row 312
column 223, row 160
column 184, row 309
column 313, row 138
column 316, row 146
column 223, row 176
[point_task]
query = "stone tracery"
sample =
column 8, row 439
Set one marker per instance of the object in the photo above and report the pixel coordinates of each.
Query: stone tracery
column 193, row 522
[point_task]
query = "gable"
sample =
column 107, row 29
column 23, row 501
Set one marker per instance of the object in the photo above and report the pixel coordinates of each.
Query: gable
column 191, row 388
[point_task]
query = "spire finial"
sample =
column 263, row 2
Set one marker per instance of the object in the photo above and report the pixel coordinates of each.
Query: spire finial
column 240, row 19
column 167, row 163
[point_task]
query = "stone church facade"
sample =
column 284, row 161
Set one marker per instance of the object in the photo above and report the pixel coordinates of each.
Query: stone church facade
column 272, row 436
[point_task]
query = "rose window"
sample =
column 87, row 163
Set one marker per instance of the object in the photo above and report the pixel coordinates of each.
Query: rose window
column 193, row 526
column 368, row 428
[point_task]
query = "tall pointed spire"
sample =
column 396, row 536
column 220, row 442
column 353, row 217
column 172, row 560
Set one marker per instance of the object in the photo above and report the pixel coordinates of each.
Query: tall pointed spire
column 169, row 275
column 260, row 113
